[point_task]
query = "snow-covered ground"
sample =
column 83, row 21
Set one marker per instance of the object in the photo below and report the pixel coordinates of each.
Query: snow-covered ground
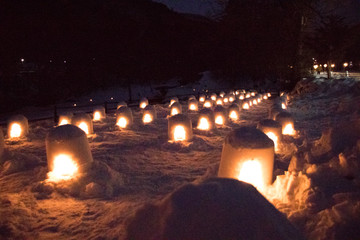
column 317, row 185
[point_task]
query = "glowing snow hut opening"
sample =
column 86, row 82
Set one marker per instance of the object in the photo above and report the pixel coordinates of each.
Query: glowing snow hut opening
column 149, row 114
column 84, row 122
column 245, row 105
column 231, row 98
column 287, row 123
column 226, row 100
column 191, row 97
column 193, row 105
column 206, row 120
column 248, row 155
column 18, row 127
column 176, row 108
column 68, row 153
column 220, row 114
column 248, row 95
column 222, row 94
column 234, row 112
column 65, row 119
column 202, row 98
column 143, row 103
column 99, row 113
column 179, row 128
column 241, row 97
column 121, row 104
column 124, row 117
column 213, row 96
column 254, row 101
column 265, row 97
column 283, row 105
column 219, row 101
column 173, row 100
column 208, row 103
column 272, row 129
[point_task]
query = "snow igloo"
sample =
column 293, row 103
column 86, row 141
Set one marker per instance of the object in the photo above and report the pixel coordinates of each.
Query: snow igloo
column 219, row 101
column 143, row 103
column 68, row 153
column 175, row 109
column 124, row 117
column 121, row 104
column 84, row 122
column 173, row 100
column 220, row 114
column 213, row 96
column 18, row 127
column 99, row 113
column 287, row 123
column 234, row 112
column 65, row 118
column 149, row 114
column 208, row 103
column 272, row 129
column 248, row 155
column 179, row 128
column 202, row 98
column 206, row 120
column 193, row 104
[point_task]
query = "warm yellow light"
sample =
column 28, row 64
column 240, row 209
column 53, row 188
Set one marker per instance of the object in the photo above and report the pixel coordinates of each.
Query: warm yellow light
column 265, row 97
column 97, row 116
column 316, row 66
column 64, row 168
column 251, row 172
column 147, row 118
column 219, row 120
column 231, row 99
column 202, row 99
column 15, row 131
column 192, row 107
column 248, row 95
column 288, row 129
column 207, row 104
column 332, row 65
column 122, row 122
column 346, row 64
column 143, row 105
column 254, row 102
column 64, row 122
column 203, row 124
column 172, row 101
column 325, row 65
column 253, row 94
column 250, row 103
column 241, row 97
column 274, row 138
column 233, row 115
column 213, row 98
column 174, row 111
column 245, row 106
column 269, row 94
column 179, row 133
column 219, row 102
column 226, row 100
column 83, row 126
column 283, row 106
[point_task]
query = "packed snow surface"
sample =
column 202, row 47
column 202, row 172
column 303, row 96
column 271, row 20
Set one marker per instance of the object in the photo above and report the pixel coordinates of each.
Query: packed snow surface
column 317, row 185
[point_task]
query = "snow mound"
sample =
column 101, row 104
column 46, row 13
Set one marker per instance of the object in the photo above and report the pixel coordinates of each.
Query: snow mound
column 248, row 137
column 215, row 209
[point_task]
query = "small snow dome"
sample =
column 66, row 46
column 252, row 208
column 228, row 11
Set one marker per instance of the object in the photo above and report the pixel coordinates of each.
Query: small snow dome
column 18, row 127
column 68, row 153
column 202, row 98
column 143, row 103
column 149, row 114
column 65, row 119
column 234, row 112
column 222, row 94
column 231, row 98
column 173, row 100
column 124, row 117
column 2, row 143
column 206, row 120
column 175, row 108
column 191, row 97
column 121, row 104
column 99, row 113
column 193, row 105
column 248, row 155
column 272, row 129
column 245, row 105
column 179, row 128
column 220, row 114
column 208, row 103
column 84, row 122
column 219, row 101
column 287, row 123
column 241, row 96
column 213, row 96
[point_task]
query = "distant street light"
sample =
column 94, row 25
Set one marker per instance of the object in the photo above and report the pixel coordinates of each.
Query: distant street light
column 346, row 64
column 316, row 66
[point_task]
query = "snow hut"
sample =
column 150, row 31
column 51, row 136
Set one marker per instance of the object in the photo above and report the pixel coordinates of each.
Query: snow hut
column 219, row 101
column 206, row 120
column 179, row 128
column 272, row 129
column 245, row 105
column 193, row 104
column 202, row 98
column 121, row 104
column 124, row 117
column 222, row 94
column 173, row 100
column 68, row 153
column 234, row 112
column 65, row 119
column 84, row 122
column 220, row 114
column 248, row 155
column 143, row 103
column 175, row 108
column 18, row 126
column 149, row 114
column 213, row 96
column 241, row 96
column 208, row 103
column 287, row 123
column 99, row 113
